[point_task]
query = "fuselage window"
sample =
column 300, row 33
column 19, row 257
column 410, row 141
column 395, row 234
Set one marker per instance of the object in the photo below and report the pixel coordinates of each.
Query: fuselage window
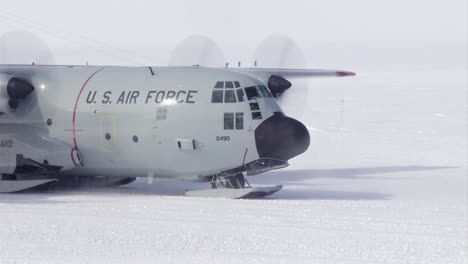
column 264, row 91
column 217, row 96
column 229, row 121
column 229, row 85
column 252, row 93
column 240, row 95
column 229, row 96
column 254, row 106
column 219, row 85
column 256, row 115
column 161, row 114
column 239, row 121
column 237, row 84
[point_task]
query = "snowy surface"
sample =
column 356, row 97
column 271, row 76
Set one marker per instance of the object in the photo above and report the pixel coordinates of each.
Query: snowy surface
column 384, row 181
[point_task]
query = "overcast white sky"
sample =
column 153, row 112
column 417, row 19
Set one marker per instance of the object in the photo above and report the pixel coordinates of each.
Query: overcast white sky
column 335, row 31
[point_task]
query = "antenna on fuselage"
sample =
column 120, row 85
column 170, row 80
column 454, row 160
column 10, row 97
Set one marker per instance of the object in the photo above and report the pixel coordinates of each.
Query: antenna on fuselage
column 227, row 64
column 239, row 64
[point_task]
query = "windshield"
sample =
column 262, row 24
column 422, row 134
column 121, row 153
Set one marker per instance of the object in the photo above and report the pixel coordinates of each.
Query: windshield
column 265, row 91
column 252, row 93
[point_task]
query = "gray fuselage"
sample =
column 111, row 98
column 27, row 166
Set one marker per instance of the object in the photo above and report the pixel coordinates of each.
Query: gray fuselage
column 184, row 122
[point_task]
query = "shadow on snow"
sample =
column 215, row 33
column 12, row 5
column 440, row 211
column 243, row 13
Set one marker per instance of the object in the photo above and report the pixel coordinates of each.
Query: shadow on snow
column 298, row 185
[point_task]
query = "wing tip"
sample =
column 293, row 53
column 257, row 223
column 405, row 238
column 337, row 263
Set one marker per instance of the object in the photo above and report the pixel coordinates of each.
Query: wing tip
column 344, row 73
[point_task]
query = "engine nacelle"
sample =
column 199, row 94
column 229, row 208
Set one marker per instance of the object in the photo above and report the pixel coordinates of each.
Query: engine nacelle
column 12, row 91
column 278, row 85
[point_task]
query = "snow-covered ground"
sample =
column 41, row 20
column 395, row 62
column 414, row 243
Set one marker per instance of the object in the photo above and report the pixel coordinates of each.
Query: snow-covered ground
column 384, row 181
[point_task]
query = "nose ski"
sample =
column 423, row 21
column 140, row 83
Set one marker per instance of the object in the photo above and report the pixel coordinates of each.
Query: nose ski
column 233, row 187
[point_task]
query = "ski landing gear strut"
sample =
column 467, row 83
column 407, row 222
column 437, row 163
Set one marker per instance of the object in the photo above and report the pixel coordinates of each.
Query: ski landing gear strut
column 233, row 186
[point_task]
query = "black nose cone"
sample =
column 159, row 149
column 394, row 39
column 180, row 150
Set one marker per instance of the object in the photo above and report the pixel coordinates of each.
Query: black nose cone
column 281, row 137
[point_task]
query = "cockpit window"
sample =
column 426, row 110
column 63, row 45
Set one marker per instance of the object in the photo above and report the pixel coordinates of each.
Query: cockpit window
column 264, row 91
column 252, row 92
column 219, row 85
column 217, row 96
column 240, row 95
column 226, row 91
column 229, row 96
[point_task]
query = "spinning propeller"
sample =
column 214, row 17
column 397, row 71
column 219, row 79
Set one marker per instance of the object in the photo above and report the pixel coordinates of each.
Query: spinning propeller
column 280, row 51
column 197, row 50
column 23, row 47
column 19, row 47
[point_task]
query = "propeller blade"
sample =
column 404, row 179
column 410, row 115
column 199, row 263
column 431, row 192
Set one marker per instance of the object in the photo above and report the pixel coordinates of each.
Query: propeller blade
column 280, row 51
column 23, row 47
column 197, row 50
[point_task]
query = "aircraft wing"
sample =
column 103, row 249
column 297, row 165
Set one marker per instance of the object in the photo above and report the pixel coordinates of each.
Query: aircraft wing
column 278, row 79
column 265, row 73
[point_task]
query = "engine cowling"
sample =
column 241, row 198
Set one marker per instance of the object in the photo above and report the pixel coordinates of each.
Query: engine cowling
column 278, row 85
column 12, row 91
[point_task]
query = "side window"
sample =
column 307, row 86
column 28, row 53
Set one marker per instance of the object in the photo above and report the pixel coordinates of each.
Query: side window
column 217, row 96
column 252, row 92
column 239, row 121
column 265, row 91
column 256, row 115
column 161, row 113
column 229, row 96
column 229, row 121
column 240, row 95
column 237, row 84
column 254, row 106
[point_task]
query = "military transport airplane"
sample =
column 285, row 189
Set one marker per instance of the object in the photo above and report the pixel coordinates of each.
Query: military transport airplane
column 106, row 126
column 110, row 125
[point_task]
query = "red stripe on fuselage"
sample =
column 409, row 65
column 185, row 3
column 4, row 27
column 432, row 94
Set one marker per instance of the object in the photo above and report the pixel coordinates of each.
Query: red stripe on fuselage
column 73, row 157
column 76, row 106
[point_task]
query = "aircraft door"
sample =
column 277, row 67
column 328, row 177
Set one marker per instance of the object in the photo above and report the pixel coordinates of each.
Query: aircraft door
column 108, row 133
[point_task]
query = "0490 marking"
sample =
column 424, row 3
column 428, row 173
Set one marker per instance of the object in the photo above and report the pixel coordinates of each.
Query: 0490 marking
column 223, row 138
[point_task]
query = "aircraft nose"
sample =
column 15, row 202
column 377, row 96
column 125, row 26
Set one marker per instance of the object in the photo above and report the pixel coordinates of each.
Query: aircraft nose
column 281, row 137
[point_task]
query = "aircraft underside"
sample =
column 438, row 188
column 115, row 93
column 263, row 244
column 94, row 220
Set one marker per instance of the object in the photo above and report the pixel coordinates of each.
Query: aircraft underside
column 232, row 186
